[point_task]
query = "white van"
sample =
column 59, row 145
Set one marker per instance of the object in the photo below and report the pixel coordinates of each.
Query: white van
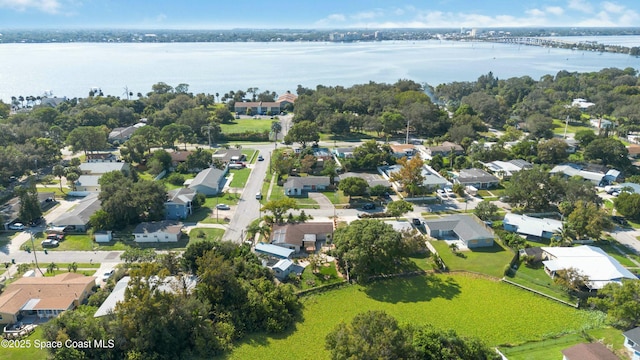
column 259, row 196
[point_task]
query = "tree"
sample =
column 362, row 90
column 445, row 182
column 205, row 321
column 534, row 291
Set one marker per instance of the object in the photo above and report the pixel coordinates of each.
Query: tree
column 398, row 208
column 621, row 302
column 369, row 156
column 29, row 204
column 533, row 190
column 303, row 132
column 571, row 279
column 392, row 122
column 540, row 126
column 486, row 210
column 437, row 344
column 276, row 128
column 353, row 186
column 51, row 268
column 608, row 151
column 588, row 221
column 552, row 151
column 279, row 207
column 379, row 190
column 410, row 175
column 628, row 205
column 58, row 171
column 370, row 335
column 585, row 137
column 367, row 248
column 87, row 138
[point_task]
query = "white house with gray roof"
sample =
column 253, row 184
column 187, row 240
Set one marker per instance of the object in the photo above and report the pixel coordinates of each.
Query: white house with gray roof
column 540, row 228
column 158, row 231
column 432, row 180
column 477, row 178
column 505, row 169
column 99, row 168
column 466, row 228
column 77, row 219
column 632, row 342
column 297, row 186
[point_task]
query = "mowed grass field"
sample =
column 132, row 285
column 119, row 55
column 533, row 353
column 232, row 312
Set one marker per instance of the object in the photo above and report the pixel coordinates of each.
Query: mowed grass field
column 493, row 311
column 244, row 125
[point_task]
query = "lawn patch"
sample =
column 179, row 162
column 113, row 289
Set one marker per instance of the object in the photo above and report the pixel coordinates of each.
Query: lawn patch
column 205, row 234
column 536, row 278
column 486, row 260
column 238, row 126
column 240, row 177
column 495, row 312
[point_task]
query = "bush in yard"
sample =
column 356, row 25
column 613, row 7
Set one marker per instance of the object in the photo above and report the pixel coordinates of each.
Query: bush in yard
column 176, row 179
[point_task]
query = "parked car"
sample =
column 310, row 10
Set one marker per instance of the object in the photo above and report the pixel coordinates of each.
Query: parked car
column 416, row 222
column 107, row 275
column 16, row 226
column 223, row 207
column 368, row 206
column 56, row 237
column 260, row 158
column 620, row 220
column 49, row 243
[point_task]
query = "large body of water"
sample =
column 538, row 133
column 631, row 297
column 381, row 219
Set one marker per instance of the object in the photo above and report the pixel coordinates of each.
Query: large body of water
column 72, row 69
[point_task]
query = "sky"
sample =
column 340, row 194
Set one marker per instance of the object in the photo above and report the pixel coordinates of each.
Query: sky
column 315, row 14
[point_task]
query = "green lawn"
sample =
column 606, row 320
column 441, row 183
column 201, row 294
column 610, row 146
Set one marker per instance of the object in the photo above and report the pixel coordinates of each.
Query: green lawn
column 536, row 278
column 205, row 234
column 54, row 189
column 244, row 125
column 571, row 129
column 240, row 177
column 251, row 154
column 32, row 352
column 493, row 311
column 550, row 348
column 206, row 213
column 327, row 274
column 336, row 197
column 489, row 260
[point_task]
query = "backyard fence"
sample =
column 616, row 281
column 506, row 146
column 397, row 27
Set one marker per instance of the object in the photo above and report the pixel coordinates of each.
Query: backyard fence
column 540, row 293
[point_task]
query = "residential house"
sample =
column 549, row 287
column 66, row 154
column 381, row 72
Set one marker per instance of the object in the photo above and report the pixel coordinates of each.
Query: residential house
column 101, row 157
column 632, row 342
column 598, row 267
column 77, row 219
column 298, row 186
column 228, row 156
column 582, row 104
column 476, row 178
column 400, row 226
column 445, row 149
column 631, row 187
column 209, row 181
column 403, row 150
column 9, row 212
column 322, row 153
column 634, row 151
column 99, row 168
column 88, row 183
column 466, row 228
column 178, row 157
column 43, row 297
column 601, row 123
column 371, row 179
column 301, row 236
column 121, row 134
column 52, row 101
column 179, row 203
column 432, row 180
column 531, row 227
column 257, row 108
column 274, row 251
column 158, row 231
column 169, row 284
column 286, row 99
column 284, row 267
column 572, row 145
column 599, row 176
column 344, row 152
column 588, row 351
column 505, row 169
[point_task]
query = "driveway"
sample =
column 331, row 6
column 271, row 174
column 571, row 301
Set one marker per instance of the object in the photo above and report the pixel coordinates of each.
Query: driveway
column 322, row 200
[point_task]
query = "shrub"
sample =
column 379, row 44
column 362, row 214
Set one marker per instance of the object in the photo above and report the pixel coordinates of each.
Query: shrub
column 176, row 179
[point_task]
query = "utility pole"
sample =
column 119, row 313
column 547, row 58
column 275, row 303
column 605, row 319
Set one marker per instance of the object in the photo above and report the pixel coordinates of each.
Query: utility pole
column 566, row 125
column 407, row 140
column 33, row 246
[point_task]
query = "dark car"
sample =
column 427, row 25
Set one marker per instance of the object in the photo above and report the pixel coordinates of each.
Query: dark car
column 368, row 206
column 620, row 220
column 416, row 222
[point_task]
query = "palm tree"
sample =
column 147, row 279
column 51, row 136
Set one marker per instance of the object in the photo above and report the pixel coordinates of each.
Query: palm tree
column 563, row 236
column 58, row 171
column 51, row 268
column 276, row 127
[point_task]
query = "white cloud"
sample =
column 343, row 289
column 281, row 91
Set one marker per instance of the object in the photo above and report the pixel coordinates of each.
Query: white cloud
column 535, row 12
column 47, row 6
column 580, row 5
column 555, row 10
column 613, row 7
column 367, row 15
column 161, row 18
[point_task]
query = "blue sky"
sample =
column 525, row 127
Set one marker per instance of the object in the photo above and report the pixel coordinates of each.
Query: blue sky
column 322, row 14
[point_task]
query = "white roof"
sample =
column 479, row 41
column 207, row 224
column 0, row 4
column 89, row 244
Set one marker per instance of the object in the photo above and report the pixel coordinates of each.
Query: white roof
column 528, row 225
column 283, row 265
column 590, row 261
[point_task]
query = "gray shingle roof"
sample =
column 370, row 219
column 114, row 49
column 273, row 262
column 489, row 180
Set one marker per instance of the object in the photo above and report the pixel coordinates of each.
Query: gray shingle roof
column 208, row 177
column 81, row 213
column 465, row 226
column 298, row 182
column 167, row 226
column 475, row 176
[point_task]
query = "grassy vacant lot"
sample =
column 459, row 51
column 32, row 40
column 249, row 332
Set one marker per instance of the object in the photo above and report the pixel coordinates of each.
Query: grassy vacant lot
column 493, row 311
column 550, row 348
column 571, row 129
column 327, row 274
column 206, row 213
column 244, row 125
column 251, row 154
column 489, row 260
column 239, row 177
column 205, row 234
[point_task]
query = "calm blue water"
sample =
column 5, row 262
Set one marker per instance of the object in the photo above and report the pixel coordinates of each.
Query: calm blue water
column 73, row 69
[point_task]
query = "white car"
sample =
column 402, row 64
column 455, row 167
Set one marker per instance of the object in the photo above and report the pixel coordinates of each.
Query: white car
column 107, row 275
column 16, row 226
column 223, row 207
